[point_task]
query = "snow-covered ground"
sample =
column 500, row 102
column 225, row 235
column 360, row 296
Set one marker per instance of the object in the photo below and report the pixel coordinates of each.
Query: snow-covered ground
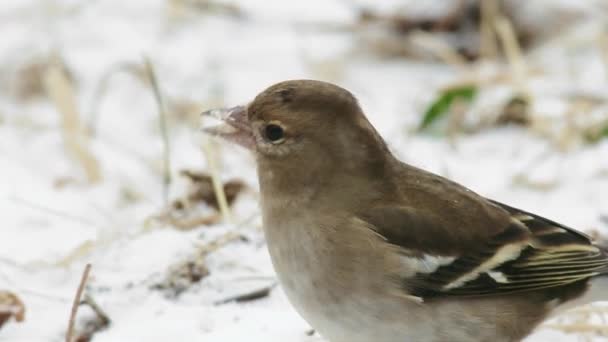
column 54, row 222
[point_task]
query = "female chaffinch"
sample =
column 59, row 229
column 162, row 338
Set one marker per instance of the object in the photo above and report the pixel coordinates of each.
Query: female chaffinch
column 368, row 248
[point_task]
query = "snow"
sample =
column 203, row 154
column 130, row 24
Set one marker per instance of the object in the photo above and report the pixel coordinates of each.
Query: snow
column 49, row 232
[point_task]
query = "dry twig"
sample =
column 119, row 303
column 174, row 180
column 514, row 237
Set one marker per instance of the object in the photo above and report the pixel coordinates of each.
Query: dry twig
column 76, row 303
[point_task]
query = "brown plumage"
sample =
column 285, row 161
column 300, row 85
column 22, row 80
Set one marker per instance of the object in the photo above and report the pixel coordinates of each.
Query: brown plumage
column 369, row 248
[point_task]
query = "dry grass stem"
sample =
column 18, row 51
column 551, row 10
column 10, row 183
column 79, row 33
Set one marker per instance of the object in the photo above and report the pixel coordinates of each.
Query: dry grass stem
column 76, row 303
column 94, row 324
column 488, row 48
column 580, row 328
column 248, row 296
column 500, row 77
column 178, row 8
column 191, row 223
column 60, row 90
column 602, row 43
column 512, row 50
column 221, row 241
column 162, row 119
column 96, row 308
column 210, row 155
column 76, row 253
column 440, row 49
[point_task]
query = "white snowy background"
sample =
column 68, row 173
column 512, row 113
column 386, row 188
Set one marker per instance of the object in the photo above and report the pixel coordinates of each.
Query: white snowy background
column 53, row 221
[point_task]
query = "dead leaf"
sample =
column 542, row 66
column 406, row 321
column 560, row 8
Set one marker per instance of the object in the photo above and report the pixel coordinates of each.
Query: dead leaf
column 11, row 306
column 516, row 112
column 201, row 189
column 183, row 212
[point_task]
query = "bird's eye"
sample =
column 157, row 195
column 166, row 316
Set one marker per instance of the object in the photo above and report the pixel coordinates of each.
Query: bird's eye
column 274, row 133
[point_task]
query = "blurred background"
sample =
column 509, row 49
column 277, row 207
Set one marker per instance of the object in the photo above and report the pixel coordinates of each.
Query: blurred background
column 102, row 162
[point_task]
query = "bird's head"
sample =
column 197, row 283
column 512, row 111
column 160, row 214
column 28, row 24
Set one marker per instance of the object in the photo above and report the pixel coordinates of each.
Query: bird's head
column 305, row 131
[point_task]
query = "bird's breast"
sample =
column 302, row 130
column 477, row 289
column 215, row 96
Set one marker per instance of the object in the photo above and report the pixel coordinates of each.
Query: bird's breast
column 297, row 256
column 334, row 286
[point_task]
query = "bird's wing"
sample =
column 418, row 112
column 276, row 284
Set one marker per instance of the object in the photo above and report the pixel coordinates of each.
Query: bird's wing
column 526, row 253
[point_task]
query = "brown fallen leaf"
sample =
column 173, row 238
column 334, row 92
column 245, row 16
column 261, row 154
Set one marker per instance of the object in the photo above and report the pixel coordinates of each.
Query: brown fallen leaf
column 201, row 189
column 11, row 306
column 515, row 112
column 183, row 212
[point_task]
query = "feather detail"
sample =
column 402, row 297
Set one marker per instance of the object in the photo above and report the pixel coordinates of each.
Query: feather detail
column 504, row 254
column 533, row 253
column 424, row 264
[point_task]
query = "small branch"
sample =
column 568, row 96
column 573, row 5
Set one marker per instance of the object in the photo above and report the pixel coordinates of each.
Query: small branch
column 76, row 303
column 162, row 119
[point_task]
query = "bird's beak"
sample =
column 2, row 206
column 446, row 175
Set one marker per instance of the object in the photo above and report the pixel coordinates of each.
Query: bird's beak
column 236, row 127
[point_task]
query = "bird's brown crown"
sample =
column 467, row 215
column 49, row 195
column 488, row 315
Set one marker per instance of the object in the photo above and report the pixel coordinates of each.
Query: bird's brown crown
column 311, row 117
column 303, row 96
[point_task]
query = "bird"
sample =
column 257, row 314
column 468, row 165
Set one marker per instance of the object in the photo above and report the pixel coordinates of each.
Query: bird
column 369, row 248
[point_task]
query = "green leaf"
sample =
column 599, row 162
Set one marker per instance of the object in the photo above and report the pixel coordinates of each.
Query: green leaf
column 604, row 133
column 442, row 104
column 593, row 136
